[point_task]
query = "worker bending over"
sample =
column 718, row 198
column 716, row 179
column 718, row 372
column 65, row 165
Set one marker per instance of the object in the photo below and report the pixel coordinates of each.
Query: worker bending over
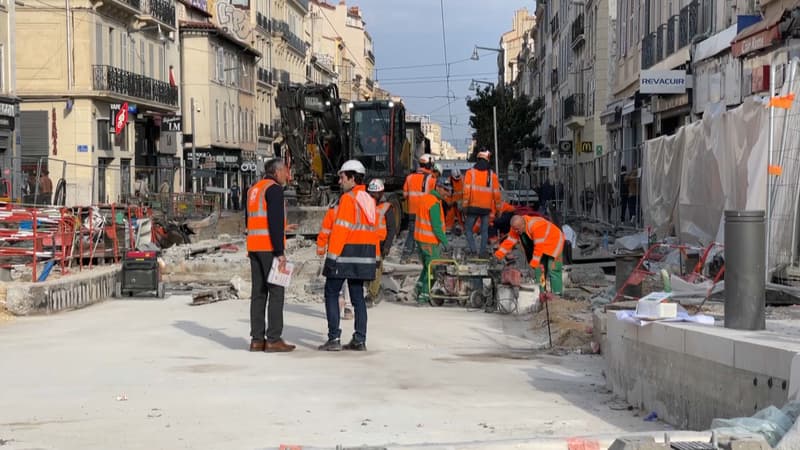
column 543, row 243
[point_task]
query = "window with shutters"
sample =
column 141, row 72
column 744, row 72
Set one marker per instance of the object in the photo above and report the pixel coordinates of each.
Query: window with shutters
column 111, row 47
column 141, row 57
column 220, row 65
column 152, row 60
column 2, row 68
column 225, row 120
column 98, row 44
column 103, row 134
column 123, row 52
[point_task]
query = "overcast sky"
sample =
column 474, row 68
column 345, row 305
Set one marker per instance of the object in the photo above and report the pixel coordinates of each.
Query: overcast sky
column 409, row 32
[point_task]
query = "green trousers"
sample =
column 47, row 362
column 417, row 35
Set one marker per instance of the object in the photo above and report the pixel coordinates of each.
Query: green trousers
column 553, row 268
column 374, row 287
column 427, row 253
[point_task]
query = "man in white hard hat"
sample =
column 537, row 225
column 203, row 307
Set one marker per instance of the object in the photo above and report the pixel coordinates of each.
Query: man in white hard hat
column 417, row 185
column 386, row 232
column 352, row 256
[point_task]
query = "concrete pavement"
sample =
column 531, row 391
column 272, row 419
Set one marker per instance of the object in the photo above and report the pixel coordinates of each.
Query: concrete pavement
column 431, row 376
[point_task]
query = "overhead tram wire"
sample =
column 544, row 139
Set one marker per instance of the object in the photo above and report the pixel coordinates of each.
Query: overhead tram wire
column 447, row 66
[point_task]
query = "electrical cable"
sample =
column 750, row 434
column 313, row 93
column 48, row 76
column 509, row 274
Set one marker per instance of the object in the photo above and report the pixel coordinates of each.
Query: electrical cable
column 447, row 65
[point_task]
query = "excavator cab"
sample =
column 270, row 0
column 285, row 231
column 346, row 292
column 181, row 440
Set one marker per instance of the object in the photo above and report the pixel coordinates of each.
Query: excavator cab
column 377, row 137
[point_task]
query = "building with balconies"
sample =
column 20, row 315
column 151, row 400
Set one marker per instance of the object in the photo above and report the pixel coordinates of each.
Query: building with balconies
column 511, row 44
column 219, row 92
column 10, row 177
column 339, row 32
column 261, row 39
column 105, row 55
column 289, row 39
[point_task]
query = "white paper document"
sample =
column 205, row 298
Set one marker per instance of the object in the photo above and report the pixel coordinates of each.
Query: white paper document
column 280, row 278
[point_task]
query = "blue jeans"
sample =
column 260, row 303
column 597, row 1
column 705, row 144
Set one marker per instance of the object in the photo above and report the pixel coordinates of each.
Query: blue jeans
column 408, row 250
column 356, row 287
column 469, row 224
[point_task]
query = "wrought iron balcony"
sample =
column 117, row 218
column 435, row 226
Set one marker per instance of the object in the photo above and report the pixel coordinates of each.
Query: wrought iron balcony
column 264, row 130
column 575, row 106
column 370, row 56
column 688, row 26
column 660, row 35
column 554, row 26
column 278, row 27
column 265, row 76
column 672, row 25
column 161, row 10
column 578, row 37
column 648, row 51
column 263, row 22
column 284, row 77
column 370, row 84
column 118, row 81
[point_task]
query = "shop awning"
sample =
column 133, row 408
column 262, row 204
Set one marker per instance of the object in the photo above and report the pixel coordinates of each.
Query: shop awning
column 760, row 35
column 715, row 44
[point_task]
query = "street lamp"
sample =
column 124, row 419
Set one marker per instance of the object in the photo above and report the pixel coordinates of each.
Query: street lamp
column 474, row 84
column 475, row 56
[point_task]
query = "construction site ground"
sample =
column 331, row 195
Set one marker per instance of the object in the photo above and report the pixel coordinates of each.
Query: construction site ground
column 145, row 373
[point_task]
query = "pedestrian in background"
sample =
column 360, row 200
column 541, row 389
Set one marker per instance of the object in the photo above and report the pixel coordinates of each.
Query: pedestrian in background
column 351, row 257
column 235, row 193
column 266, row 242
column 45, row 188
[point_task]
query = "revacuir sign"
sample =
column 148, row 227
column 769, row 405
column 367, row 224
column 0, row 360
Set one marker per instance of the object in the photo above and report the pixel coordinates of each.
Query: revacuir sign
column 662, row 82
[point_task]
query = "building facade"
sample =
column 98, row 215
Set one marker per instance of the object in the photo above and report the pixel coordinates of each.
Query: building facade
column 114, row 54
column 219, row 92
column 9, row 111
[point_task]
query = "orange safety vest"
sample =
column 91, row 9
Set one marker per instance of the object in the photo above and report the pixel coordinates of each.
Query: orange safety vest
column 353, row 248
column 423, row 228
column 458, row 189
column 383, row 208
column 417, row 185
column 258, row 238
column 325, row 229
column 481, row 191
column 546, row 236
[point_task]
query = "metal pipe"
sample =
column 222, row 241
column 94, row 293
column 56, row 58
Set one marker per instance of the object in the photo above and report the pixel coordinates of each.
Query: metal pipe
column 194, row 149
column 771, row 143
column 70, row 69
column 496, row 155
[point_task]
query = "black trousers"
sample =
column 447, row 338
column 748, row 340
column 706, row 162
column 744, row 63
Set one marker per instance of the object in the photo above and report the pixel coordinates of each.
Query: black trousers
column 265, row 299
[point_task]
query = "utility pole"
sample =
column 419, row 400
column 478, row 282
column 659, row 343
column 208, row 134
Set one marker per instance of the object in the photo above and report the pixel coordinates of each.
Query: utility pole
column 194, row 152
column 496, row 155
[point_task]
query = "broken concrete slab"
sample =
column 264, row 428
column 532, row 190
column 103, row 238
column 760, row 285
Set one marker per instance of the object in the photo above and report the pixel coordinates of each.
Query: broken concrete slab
column 637, row 443
column 69, row 292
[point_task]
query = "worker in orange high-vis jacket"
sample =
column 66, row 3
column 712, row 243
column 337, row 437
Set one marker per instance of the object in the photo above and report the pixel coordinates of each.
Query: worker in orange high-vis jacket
column 353, row 252
column 430, row 235
column 387, row 229
column 266, row 241
column 345, row 306
column 453, row 214
column 481, row 192
column 417, row 185
column 543, row 244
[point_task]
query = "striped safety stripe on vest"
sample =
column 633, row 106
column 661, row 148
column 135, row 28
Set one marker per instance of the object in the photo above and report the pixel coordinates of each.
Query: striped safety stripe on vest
column 423, row 228
column 483, row 188
column 417, row 185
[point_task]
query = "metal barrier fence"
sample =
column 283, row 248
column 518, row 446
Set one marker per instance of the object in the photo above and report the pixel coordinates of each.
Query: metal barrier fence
column 600, row 189
column 48, row 181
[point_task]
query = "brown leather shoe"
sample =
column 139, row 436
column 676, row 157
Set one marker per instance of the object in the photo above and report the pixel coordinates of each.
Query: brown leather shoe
column 257, row 346
column 278, row 347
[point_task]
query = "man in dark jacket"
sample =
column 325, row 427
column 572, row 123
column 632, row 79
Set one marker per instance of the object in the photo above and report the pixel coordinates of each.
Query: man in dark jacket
column 266, row 241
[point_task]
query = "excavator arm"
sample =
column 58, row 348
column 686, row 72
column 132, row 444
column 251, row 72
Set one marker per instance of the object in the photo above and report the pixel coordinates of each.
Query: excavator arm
column 314, row 139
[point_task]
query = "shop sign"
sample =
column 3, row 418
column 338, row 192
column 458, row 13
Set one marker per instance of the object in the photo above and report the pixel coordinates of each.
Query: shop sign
column 662, row 82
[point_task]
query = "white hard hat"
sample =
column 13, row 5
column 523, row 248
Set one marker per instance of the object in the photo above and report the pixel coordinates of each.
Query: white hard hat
column 375, row 185
column 485, row 154
column 425, row 158
column 353, row 165
column 437, row 168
